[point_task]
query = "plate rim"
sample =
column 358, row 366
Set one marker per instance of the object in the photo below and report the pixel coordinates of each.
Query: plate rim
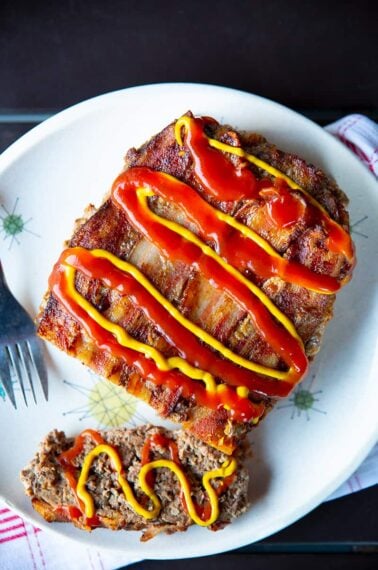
column 49, row 125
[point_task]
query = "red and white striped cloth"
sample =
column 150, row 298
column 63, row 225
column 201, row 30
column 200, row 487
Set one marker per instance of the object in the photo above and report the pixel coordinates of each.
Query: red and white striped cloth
column 11, row 526
column 25, row 547
column 360, row 134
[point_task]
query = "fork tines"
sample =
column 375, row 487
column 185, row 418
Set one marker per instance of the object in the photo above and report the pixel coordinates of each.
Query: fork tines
column 22, row 360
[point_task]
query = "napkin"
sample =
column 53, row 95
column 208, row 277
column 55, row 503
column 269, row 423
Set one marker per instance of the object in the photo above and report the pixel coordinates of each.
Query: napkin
column 26, row 547
column 360, row 134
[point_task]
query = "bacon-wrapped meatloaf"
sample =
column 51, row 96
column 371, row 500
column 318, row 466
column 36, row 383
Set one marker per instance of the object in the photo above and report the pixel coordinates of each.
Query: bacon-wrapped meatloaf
column 205, row 280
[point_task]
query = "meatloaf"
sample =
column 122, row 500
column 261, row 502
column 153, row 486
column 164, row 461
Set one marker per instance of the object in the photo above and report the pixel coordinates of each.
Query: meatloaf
column 291, row 213
column 54, row 491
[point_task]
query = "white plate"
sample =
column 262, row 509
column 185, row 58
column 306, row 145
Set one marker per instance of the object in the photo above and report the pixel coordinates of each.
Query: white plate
column 310, row 443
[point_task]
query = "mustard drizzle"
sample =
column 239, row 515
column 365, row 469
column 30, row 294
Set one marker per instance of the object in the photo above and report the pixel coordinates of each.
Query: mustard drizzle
column 184, row 121
column 162, row 363
column 123, row 338
column 142, row 194
column 227, row 469
column 179, row 363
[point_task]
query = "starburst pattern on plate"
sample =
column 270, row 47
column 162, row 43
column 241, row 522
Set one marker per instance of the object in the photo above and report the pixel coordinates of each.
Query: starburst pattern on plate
column 13, row 224
column 108, row 404
column 357, row 224
column 303, row 401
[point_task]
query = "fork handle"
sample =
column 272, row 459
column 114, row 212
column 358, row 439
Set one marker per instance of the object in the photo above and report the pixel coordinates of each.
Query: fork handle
column 2, row 276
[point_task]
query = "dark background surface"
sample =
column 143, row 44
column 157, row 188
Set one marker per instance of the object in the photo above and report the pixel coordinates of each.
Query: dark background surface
column 307, row 55
column 317, row 57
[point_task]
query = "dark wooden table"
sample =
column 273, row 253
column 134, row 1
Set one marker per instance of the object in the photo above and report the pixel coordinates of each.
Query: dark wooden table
column 319, row 58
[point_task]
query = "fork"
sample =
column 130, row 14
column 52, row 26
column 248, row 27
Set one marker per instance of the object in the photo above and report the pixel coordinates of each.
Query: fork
column 20, row 349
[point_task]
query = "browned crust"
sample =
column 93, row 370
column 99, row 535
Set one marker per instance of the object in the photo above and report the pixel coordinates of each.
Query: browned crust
column 115, row 523
column 109, row 229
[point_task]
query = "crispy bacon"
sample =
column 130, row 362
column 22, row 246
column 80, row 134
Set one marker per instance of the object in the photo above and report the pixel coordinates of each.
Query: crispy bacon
column 195, row 297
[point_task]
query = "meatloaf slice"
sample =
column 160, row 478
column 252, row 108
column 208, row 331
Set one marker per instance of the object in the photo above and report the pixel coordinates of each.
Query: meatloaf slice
column 54, row 497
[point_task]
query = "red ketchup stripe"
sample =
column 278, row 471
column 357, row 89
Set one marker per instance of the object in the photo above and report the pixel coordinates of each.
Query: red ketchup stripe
column 225, row 182
column 66, row 459
column 218, row 176
column 188, row 345
column 242, row 408
column 233, row 246
column 174, row 246
column 152, row 441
